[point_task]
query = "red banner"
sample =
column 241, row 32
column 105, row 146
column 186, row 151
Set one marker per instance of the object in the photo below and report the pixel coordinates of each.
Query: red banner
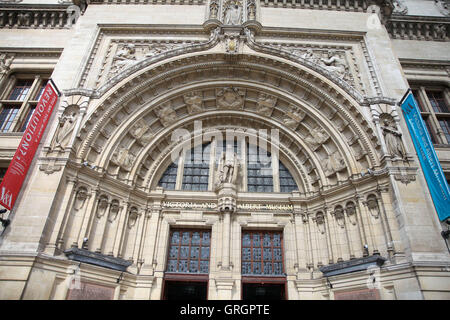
column 18, row 168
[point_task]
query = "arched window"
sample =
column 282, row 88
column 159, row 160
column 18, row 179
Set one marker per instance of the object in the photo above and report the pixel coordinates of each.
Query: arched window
column 169, row 178
column 196, row 168
column 258, row 169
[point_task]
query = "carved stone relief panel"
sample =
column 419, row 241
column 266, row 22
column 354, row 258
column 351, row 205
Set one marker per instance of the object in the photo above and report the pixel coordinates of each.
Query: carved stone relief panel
column 116, row 51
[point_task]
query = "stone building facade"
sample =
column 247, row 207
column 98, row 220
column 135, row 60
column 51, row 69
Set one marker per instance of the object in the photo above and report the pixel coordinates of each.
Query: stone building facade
column 225, row 149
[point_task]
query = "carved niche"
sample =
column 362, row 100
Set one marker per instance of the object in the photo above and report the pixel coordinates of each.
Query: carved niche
column 113, row 210
column 65, row 126
column 392, row 137
column 102, row 206
column 232, row 13
column 80, row 198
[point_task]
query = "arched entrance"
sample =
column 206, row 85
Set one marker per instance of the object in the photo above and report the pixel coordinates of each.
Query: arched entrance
column 137, row 181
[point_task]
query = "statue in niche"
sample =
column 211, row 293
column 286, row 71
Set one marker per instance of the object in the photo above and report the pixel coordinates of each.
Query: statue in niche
column 334, row 63
column 213, row 9
column 194, row 102
column 233, row 14
column 80, row 198
column 251, row 9
column 132, row 218
column 230, row 98
column 265, row 104
column 320, row 221
column 113, row 210
column 228, row 167
column 102, row 205
column 123, row 158
column 333, row 163
column 124, row 57
column 166, row 114
column 316, row 137
column 65, row 126
column 393, row 139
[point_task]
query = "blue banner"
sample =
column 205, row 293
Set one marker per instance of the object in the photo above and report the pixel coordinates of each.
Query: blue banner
column 437, row 184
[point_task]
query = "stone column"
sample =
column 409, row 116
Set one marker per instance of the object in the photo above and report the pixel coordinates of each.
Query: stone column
column 367, row 226
column 98, row 226
column 76, row 217
column 88, row 217
column 120, row 229
column 151, row 232
column 61, row 217
column 227, row 206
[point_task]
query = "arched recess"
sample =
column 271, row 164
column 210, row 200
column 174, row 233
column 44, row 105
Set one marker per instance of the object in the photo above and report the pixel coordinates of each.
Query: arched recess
column 318, row 122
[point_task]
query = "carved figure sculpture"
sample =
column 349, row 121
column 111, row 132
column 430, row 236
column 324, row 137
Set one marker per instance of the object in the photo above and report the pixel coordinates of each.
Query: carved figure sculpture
column 317, row 137
column 233, row 14
column 333, row 163
column 65, row 127
column 139, row 129
column 124, row 57
column 5, row 62
column 166, row 115
column 213, row 9
column 393, row 140
column 194, row 102
column 228, row 167
column 123, row 158
column 265, row 105
column 334, row 63
column 251, row 9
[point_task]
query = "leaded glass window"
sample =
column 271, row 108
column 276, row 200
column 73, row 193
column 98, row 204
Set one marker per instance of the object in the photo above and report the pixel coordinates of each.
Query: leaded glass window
column 262, row 253
column 189, row 251
column 169, row 178
column 196, row 169
column 287, row 182
column 259, row 170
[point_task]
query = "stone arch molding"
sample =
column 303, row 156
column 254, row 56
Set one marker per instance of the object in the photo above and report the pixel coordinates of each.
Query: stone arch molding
column 324, row 134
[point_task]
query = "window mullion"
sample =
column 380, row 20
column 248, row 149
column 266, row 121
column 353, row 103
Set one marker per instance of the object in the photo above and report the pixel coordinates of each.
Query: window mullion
column 25, row 107
column 434, row 121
